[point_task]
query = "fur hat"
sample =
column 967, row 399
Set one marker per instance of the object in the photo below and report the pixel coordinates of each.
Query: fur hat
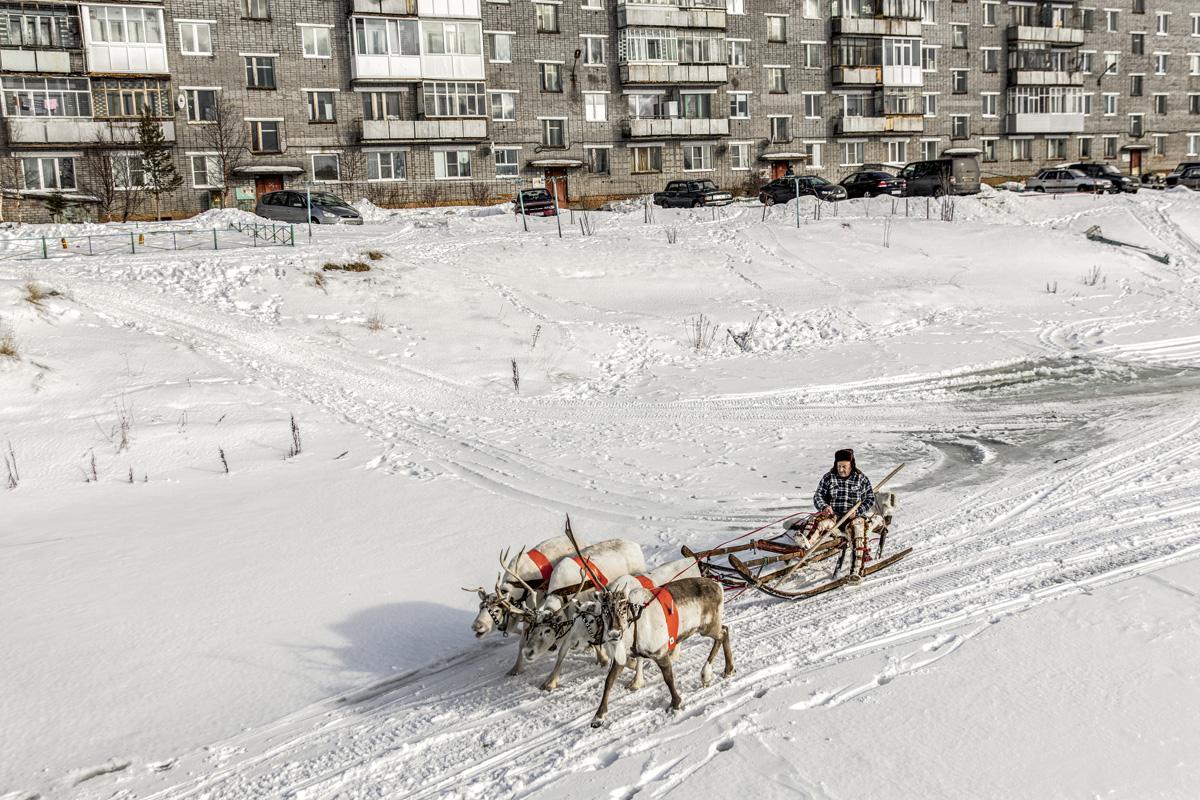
column 845, row 454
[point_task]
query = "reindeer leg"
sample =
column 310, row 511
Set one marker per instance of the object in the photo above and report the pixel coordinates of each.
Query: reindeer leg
column 551, row 682
column 518, row 667
column 601, row 655
column 706, row 670
column 637, row 681
column 729, row 668
column 668, row 674
column 614, row 672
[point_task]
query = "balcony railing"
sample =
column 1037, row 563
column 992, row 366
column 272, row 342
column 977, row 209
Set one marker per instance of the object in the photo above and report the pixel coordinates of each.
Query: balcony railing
column 426, row 130
column 1044, row 77
column 891, row 123
column 51, row 130
column 1059, row 35
column 670, row 16
column 675, row 126
column 674, row 73
column 13, row 60
column 1044, row 123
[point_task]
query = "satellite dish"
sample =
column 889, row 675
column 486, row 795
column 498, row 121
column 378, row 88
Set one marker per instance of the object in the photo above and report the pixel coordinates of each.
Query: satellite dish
column 181, row 100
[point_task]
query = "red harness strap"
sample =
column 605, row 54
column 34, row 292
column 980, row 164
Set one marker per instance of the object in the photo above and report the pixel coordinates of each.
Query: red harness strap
column 668, row 606
column 541, row 562
column 595, row 570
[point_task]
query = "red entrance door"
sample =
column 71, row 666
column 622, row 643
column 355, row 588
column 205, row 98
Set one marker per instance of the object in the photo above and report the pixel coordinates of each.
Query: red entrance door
column 779, row 169
column 267, row 183
column 1135, row 162
column 556, row 182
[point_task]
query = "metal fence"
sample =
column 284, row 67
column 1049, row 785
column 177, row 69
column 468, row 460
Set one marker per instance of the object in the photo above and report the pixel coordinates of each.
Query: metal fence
column 236, row 236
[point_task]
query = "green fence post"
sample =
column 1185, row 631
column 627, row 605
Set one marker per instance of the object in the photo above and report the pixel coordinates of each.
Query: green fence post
column 215, row 247
column 90, row 253
column 132, row 244
column 293, row 243
column 45, row 253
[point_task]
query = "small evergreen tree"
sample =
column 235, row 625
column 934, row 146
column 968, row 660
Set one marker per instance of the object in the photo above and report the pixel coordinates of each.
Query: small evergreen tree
column 157, row 164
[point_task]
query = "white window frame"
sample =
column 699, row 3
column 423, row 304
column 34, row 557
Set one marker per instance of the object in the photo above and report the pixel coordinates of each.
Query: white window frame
column 739, row 147
column 594, row 111
column 588, row 41
column 441, row 164
column 305, row 29
column 392, row 153
column 212, row 166
column 516, row 165
column 507, row 35
column 706, row 160
column 506, row 94
column 195, row 25
column 847, row 145
column 312, row 162
column 742, row 98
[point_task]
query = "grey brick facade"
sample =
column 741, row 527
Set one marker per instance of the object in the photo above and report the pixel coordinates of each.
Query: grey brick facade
column 412, row 94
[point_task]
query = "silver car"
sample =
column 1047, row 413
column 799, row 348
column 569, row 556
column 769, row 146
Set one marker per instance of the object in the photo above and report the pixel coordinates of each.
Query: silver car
column 1066, row 180
column 291, row 206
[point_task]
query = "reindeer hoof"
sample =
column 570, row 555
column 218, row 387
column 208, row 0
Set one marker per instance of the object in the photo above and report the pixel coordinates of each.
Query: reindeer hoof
column 549, row 687
column 597, row 723
column 676, row 705
column 633, row 686
column 514, row 671
column 706, row 678
column 728, row 673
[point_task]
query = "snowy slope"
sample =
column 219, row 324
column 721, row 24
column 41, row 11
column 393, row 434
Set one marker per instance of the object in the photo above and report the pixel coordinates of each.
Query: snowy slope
column 295, row 627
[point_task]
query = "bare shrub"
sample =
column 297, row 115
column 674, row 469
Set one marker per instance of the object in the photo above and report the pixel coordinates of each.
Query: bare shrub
column 1095, row 277
column 536, row 332
column 224, row 462
column 119, row 431
column 8, row 345
column 701, row 332
column 376, row 255
column 1051, row 288
column 34, row 293
column 516, row 377
column 10, row 464
column 318, row 280
column 585, row 224
column 294, row 449
column 672, row 235
column 376, row 322
column 744, row 339
column 349, row 266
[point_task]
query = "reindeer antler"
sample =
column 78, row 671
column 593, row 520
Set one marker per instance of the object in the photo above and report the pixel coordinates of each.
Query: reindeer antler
column 514, row 575
column 586, row 564
column 476, row 589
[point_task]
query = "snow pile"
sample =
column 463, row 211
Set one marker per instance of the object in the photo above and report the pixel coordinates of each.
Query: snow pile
column 225, row 218
column 372, row 213
column 628, row 205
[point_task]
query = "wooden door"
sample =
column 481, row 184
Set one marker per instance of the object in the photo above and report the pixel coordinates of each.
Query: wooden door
column 267, row 183
column 1135, row 162
column 558, row 186
column 779, row 169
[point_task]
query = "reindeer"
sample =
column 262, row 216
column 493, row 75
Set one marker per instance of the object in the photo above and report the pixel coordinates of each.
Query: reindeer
column 641, row 623
column 548, row 628
column 529, row 567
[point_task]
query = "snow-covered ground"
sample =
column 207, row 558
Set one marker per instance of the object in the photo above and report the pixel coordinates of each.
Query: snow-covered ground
column 294, row 626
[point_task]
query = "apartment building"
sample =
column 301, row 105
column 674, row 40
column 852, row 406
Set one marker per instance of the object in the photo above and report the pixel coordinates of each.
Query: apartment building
column 430, row 101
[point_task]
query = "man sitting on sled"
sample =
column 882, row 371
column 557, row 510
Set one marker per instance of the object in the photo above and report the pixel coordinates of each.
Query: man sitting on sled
column 838, row 492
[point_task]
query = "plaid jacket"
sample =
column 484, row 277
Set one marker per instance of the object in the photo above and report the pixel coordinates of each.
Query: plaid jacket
column 842, row 493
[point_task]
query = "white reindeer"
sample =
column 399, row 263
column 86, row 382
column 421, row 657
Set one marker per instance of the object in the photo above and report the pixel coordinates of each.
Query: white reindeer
column 636, row 625
column 532, row 569
column 548, row 629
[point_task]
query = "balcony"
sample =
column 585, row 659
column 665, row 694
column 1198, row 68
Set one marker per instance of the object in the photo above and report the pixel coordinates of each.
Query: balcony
column 873, row 26
column 674, row 73
column 424, row 130
column 44, row 130
column 1044, row 77
column 891, row 123
column 663, row 16
column 858, row 76
column 399, row 8
column 1043, row 123
column 1046, row 35
column 12, row 60
column 675, row 126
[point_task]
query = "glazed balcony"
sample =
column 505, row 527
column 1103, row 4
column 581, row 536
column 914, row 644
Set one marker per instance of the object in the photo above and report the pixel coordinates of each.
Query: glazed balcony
column 51, row 130
column 424, row 130
column 654, row 128
column 674, row 73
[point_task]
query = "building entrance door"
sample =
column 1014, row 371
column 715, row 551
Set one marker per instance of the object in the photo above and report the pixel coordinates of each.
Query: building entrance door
column 1135, row 162
column 558, row 186
column 267, row 183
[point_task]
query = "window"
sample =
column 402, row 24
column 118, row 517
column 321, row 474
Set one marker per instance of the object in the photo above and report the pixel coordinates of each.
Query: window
column 1022, row 149
column 1163, row 20
column 781, row 129
column 195, row 38
column 47, row 97
column 1086, row 59
column 739, row 105
column 508, row 162
column 813, row 151
column 453, row 99
column 595, row 107
column 1111, row 21
column 1139, row 6
column 990, row 59
column 959, row 36
column 260, row 72
column 700, row 47
column 989, row 104
column 594, row 5
column 697, row 157
column 812, row 55
column 930, row 105
column 390, row 165
column 128, row 171
column 735, row 6
column 989, row 149
column 959, row 81
column 48, row 173
column 327, row 168
column 1194, row 103
column 1084, row 146
column 1137, row 44
column 383, row 105
column 1194, row 63
column 777, row 80
column 1135, row 85
column 929, row 12
column 1022, row 15
column 1195, row 24
column 812, row 105
column 1087, row 103
column 1110, row 147
column 1137, row 126
column 929, row 58
column 739, row 156
column 256, row 9
column 320, row 107
column 1112, row 63
column 960, row 126
column 1160, row 104
column 500, row 47
column 29, row 28
column 1160, row 63
column 897, row 152
column 1056, row 148
column 1193, row 140
column 812, row 9
column 547, row 17
column 551, row 77
column 645, row 159
column 989, row 14
column 264, row 136
column 696, row 105
column 737, row 53
column 597, row 160
column 504, row 106
column 317, row 41
column 852, row 154
column 449, row 164
column 452, row 38
column 386, row 37
column 1160, row 144
column 554, row 132
column 776, row 29
column 593, row 50
column 1110, row 104
column 120, row 24
column 646, row 105
column 207, row 172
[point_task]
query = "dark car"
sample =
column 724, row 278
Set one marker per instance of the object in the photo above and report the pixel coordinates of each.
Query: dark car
column 786, row 188
column 871, row 183
column 952, row 175
column 1183, row 167
column 1120, row 183
column 1189, row 178
column 534, row 202
column 293, row 206
column 692, row 194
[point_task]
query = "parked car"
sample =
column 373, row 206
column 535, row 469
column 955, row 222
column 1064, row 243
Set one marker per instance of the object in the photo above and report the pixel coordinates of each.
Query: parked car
column 786, row 188
column 1190, row 178
column 953, row 175
column 1183, row 167
column 535, row 202
column 290, row 206
column 1066, row 180
column 1120, row 183
column 692, row 194
column 871, row 183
